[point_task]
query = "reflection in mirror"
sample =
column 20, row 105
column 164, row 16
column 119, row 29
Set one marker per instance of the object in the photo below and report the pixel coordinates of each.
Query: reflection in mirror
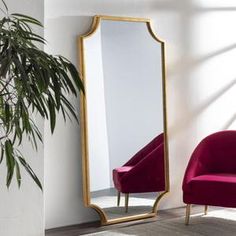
column 125, row 134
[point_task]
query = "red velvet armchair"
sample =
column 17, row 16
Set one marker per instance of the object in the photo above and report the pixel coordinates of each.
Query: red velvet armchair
column 144, row 172
column 210, row 177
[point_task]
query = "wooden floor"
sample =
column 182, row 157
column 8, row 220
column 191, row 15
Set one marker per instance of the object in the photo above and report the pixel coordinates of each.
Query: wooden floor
column 81, row 229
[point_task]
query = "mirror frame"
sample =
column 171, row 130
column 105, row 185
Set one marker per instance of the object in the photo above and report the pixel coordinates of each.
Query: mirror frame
column 84, row 125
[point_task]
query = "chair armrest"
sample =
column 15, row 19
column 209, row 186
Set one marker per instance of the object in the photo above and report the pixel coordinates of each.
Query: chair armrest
column 197, row 164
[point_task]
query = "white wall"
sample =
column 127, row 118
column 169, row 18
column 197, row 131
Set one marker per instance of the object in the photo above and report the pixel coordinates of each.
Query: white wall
column 21, row 210
column 200, row 41
column 97, row 128
column 63, row 179
column 133, row 88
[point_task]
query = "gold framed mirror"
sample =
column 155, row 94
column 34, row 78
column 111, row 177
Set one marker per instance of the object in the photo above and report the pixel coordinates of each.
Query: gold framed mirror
column 123, row 119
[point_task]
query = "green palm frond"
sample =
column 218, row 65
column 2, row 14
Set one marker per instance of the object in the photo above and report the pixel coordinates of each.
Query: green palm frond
column 30, row 81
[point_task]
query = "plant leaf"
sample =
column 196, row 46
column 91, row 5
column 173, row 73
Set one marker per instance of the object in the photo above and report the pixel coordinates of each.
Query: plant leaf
column 18, row 174
column 10, row 161
column 28, row 19
column 5, row 5
column 30, row 171
column 52, row 113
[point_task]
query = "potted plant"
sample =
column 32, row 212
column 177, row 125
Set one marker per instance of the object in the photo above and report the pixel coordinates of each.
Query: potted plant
column 31, row 81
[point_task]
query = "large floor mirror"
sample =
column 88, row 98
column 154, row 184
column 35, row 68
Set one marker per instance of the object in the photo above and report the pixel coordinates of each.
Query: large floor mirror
column 123, row 119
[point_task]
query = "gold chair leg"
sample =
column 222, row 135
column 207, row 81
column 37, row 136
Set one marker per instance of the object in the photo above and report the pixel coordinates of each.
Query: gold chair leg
column 188, row 209
column 205, row 210
column 118, row 198
column 126, row 202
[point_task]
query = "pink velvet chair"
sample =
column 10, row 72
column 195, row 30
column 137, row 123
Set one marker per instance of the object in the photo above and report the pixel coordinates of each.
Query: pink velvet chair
column 210, row 177
column 144, row 172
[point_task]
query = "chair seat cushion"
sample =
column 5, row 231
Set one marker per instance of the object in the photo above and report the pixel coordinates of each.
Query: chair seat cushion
column 215, row 178
column 218, row 189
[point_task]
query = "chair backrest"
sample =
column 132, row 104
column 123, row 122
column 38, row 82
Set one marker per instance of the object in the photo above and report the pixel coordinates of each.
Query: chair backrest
column 148, row 175
column 219, row 152
column 146, row 150
column 153, row 144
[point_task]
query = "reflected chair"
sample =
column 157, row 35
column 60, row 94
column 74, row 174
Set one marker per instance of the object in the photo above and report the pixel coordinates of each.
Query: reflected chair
column 210, row 177
column 143, row 173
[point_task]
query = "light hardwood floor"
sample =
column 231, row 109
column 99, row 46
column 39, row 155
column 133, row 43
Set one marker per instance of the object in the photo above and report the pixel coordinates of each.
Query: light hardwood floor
column 81, row 229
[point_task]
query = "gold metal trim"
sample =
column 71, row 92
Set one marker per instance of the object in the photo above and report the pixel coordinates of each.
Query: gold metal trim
column 84, row 126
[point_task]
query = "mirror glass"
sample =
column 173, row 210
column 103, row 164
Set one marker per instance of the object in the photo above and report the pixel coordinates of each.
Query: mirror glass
column 123, row 71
